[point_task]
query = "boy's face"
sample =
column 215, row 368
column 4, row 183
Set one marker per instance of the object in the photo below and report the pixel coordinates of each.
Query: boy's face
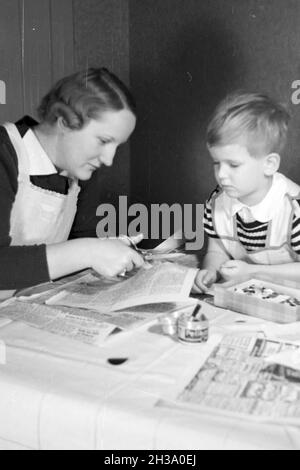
column 239, row 174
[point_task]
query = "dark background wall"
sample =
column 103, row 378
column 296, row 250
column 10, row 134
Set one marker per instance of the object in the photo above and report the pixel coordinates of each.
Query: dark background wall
column 36, row 48
column 185, row 55
column 101, row 39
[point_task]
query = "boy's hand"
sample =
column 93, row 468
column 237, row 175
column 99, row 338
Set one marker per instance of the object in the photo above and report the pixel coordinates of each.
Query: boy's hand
column 235, row 269
column 204, row 279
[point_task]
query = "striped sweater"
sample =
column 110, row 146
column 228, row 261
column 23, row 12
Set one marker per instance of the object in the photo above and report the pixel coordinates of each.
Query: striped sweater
column 252, row 235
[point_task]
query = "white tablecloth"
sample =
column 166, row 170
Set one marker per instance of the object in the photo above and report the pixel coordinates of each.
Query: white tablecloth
column 57, row 393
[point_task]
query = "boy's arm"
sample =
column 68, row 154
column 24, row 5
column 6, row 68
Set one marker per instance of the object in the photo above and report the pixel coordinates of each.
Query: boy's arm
column 235, row 269
column 209, row 272
column 215, row 256
column 289, row 271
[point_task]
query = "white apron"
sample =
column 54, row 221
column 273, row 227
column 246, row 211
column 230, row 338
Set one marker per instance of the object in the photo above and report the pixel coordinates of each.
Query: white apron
column 38, row 215
column 278, row 248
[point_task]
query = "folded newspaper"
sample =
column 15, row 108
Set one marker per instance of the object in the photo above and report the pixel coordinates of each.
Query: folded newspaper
column 89, row 308
column 163, row 282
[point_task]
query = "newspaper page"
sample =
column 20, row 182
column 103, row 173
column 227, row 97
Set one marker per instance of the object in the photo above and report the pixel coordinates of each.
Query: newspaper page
column 237, row 379
column 41, row 292
column 83, row 325
column 87, row 330
column 163, row 282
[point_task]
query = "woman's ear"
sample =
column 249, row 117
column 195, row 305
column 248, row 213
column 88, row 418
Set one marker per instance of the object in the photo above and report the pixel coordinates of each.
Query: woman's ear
column 272, row 163
column 62, row 125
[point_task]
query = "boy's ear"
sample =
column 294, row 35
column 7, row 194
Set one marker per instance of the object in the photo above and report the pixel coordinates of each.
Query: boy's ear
column 272, row 163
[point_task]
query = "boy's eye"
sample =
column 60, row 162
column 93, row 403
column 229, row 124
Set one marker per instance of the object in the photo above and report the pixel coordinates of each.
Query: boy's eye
column 234, row 165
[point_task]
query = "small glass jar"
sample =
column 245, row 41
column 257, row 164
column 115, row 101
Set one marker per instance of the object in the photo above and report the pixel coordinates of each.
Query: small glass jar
column 169, row 323
column 192, row 330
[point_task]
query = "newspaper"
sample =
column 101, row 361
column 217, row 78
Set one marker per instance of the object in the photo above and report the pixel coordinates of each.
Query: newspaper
column 164, row 282
column 44, row 291
column 83, row 325
column 70, row 324
column 237, row 379
column 90, row 308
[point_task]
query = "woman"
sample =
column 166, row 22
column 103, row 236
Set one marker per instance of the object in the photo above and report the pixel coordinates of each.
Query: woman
column 83, row 119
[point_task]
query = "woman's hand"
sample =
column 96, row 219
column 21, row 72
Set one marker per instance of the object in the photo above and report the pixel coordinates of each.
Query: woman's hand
column 112, row 256
column 235, row 269
column 204, row 279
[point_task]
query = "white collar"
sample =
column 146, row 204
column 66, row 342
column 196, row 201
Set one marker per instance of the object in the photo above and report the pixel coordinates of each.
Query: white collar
column 264, row 210
column 39, row 162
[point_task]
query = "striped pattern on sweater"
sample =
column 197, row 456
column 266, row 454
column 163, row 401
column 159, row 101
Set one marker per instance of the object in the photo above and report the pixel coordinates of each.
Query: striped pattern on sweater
column 207, row 218
column 252, row 235
column 295, row 233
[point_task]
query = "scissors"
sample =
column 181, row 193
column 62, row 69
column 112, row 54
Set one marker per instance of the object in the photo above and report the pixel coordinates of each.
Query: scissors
column 146, row 254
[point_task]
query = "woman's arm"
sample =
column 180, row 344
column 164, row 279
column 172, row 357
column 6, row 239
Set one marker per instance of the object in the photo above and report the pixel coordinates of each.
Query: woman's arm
column 20, row 266
column 108, row 257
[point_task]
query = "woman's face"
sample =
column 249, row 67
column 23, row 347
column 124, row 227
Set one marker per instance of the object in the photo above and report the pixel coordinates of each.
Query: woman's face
column 81, row 152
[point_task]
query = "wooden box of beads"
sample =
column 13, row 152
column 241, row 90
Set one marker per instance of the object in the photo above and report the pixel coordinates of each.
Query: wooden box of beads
column 272, row 301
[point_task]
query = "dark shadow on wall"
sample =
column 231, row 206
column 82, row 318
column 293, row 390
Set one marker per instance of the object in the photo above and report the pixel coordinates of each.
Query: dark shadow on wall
column 177, row 84
column 176, row 96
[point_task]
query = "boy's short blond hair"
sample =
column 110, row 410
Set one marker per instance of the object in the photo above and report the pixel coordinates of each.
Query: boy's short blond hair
column 252, row 119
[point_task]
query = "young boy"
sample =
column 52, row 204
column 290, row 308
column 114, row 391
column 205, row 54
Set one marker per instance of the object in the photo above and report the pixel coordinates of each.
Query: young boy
column 253, row 217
